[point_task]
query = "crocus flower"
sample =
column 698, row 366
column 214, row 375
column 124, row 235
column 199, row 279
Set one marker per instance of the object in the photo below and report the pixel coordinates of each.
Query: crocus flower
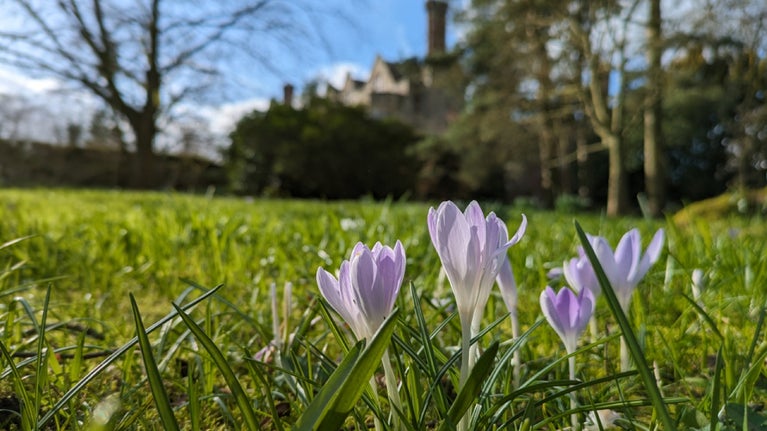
column 508, row 286
column 567, row 313
column 472, row 249
column 580, row 274
column 626, row 267
column 367, row 286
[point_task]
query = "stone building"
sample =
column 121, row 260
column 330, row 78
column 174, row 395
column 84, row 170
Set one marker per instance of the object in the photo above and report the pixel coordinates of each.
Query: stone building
column 426, row 93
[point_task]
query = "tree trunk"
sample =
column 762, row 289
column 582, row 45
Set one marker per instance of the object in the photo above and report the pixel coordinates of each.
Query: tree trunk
column 617, row 188
column 584, row 176
column 654, row 163
column 565, row 169
column 144, row 175
column 545, row 152
column 547, row 143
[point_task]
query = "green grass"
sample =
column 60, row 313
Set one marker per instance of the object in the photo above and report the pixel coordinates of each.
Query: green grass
column 93, row 249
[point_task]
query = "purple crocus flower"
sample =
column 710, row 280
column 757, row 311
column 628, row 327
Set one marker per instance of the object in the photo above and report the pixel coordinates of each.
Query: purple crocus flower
column 367, row 286
column 472, row 249
column 567, row 313
column 508, row 286
column 580, row 274
column 626, row 267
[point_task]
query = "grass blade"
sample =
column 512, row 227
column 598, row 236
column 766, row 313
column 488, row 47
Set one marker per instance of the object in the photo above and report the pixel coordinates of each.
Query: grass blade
column 74, row 390
column 243, row 402
column 636, row 351
column 431, row 361
column 193, row 391
column 716, row 390
column 468, row 394
column 42, row 354
column 702, row 313
column 27, row 414
column 319, row 408
column 345, row 386
column 159, row 394
column 14, row 241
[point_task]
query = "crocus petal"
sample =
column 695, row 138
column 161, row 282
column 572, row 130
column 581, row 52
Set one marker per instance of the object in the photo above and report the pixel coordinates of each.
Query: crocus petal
column 606, row 258
column 520, row 232
column 627, row 253
column 431, row 222
column 391, row 271
column 650, row 257
column 475, row 218
column 331, row 291
column 354, row 315
column 508, row 286
column 329, row 288
column 585, row 310
column 400, row 263
column 656, row 246
column 367, row 291
column 453, row 234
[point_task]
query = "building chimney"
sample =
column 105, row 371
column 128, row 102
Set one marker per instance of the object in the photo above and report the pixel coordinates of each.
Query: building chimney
column 437, row 11
column 287, row 94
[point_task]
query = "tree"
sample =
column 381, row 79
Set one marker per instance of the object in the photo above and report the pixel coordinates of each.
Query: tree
column 606, row 22
column 324, row 149
column 654, row 155
column 143, row 57
column 696, row 107
column 510, row 118
column 14, row 112
column 724, row 44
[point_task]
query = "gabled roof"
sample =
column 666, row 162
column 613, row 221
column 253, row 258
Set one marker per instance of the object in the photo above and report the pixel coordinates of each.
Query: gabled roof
column 410, row 69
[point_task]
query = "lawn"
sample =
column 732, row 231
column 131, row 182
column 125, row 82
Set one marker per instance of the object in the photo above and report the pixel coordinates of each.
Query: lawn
column 72, row 260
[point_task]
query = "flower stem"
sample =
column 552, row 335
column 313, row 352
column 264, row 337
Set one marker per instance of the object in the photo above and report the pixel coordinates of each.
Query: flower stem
column 516, row 359
column 573, row 398
column 593, row 329
column 467, row 363
column 391, row 388
column 374, row 389
column 625, row 357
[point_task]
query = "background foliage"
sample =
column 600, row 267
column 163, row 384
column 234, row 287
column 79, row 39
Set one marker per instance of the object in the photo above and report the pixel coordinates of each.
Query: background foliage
column 323, row 149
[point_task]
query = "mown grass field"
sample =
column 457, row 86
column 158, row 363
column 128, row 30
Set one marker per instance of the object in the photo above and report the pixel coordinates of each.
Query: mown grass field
column 94, row 248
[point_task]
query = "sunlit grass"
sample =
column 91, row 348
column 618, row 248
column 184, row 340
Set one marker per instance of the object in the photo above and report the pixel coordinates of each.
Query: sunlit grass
column 94, row 248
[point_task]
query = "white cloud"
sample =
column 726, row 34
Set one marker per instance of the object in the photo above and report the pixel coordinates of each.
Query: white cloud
column 223, row 118
column 12, row 82
column 335, row 74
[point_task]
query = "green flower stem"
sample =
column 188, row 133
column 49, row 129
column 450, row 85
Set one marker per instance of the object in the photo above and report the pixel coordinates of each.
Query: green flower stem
column 625, row 355
column 516, row 359
column 391, row 389
column 467, row 363
column 573, row 398
column 374, row 390
column 593, row 329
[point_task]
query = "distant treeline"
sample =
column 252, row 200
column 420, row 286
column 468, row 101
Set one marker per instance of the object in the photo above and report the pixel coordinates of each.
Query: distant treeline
column 36, row 164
